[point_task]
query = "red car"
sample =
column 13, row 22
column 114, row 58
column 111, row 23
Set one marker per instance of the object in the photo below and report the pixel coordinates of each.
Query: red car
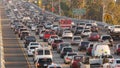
column 94, row 37
column 89, row 49
column 117, row 49
column 76, row 59
column 56, row 42
column 47, row 34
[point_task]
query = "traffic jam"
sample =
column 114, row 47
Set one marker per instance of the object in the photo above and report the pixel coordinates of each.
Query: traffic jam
column 53, row 41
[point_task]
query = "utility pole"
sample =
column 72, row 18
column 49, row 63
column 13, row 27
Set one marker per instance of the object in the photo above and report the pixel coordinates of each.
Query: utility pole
column 59, row 7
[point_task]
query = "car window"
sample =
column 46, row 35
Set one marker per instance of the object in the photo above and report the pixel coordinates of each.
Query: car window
column 54, row 37
column 58, row 41
column 77, row 38
column 44, row 60
column 67, row 49
column 106, row 38
column 34, row 44
column 47, row 52
column 54, row 67
column 40, row 52
column 72, row 54
column 78, row 58
column 33, row 47
column 118, row 61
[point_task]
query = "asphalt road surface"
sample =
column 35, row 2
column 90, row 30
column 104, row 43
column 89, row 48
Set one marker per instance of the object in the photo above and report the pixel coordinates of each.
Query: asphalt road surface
column 14, row 55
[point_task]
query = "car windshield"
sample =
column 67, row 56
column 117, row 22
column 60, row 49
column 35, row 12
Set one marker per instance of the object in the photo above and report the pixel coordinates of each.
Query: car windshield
column 67, row 49
column 54, row 37
column 106, row 38
column 47, row 52
column 107, row 56
column 45, row 60
column 86, row 30
column 94, row 34
column 72, row 54
column 79, row 27
column 40, row 52
column 77, row 38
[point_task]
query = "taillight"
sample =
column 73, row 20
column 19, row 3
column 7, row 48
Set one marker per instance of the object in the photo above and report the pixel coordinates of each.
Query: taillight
column 38, row 64
column 68, row 58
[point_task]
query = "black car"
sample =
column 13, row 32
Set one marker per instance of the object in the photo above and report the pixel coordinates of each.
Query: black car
column 29, row 39
column 43, row 62
column 83, row 45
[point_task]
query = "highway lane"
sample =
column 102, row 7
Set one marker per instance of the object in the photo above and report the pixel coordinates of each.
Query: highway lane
column 14, row 56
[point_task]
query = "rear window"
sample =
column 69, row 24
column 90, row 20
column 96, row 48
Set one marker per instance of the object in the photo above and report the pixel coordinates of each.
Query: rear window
column 55, row 67
column 34, row 44
column 67, row 49
column 84, row 43
column 106, row 38
column 45, row 60
column 118, row 61
column 77, row 38
column 33, row 47
column 40, row 52
column 78, row 58
column 25, row 33
column 58, row 41
column 66, row 37
column 72, row 54
column 54, row 37
column 47, row 52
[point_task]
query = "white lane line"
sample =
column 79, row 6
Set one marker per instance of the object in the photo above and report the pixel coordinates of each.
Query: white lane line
column 1, row 44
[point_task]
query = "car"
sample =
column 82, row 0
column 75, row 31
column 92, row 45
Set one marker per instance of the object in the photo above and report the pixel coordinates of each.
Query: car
column 61, row 45
column 17, row 27
column 29, row 39
column 106, row 38
column 24, row 34
column 115, row 63
column 85, row 32
column 65, row 50
column 68, row 57
column 94, row 36
column 83, row 45
column 55, row 43
column 89, row 49
column 31, row 48
column 41, row 34
column 48, row 25
column 45, row 52
column 94, row 29
column 78, row 30
column 43, row 62
column 54, row 66
column 76, row 59
column 67, row 33
column 51, row 39
column 117, row 49
column 76, row 40
column 88, row 25
column 47, row 34
column 20, row 30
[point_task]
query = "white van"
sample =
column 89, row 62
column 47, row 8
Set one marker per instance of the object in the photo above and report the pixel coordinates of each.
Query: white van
column 42, row 52
column 100, row 49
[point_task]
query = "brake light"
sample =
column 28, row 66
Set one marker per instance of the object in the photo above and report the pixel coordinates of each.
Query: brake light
column 68, row 58
column 38, row 64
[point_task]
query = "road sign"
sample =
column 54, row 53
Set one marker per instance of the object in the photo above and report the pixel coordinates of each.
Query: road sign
column 79, row 11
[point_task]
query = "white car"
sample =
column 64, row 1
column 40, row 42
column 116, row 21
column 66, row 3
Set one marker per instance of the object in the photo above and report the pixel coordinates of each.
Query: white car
column 31, row 47
column 67, row 33
column 51, row 39
column 33, row 27
column 54, row 66
column 39, row 52
column 68, row 57
column 76, row 40
column 115, row 63
column 86, row 32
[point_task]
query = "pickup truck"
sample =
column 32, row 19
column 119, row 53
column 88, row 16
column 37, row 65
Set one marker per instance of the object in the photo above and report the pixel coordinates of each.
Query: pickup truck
column 115, row 31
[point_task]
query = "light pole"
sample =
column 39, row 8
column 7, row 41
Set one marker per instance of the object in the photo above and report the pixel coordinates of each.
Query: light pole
column 59, row 7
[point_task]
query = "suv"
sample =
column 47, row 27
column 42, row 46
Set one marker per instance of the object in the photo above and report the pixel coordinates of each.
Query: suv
column 39, row 52
column 29, row 39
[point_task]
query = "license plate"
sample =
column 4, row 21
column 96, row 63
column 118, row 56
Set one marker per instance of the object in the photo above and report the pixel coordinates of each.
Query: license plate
column 45, row 64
